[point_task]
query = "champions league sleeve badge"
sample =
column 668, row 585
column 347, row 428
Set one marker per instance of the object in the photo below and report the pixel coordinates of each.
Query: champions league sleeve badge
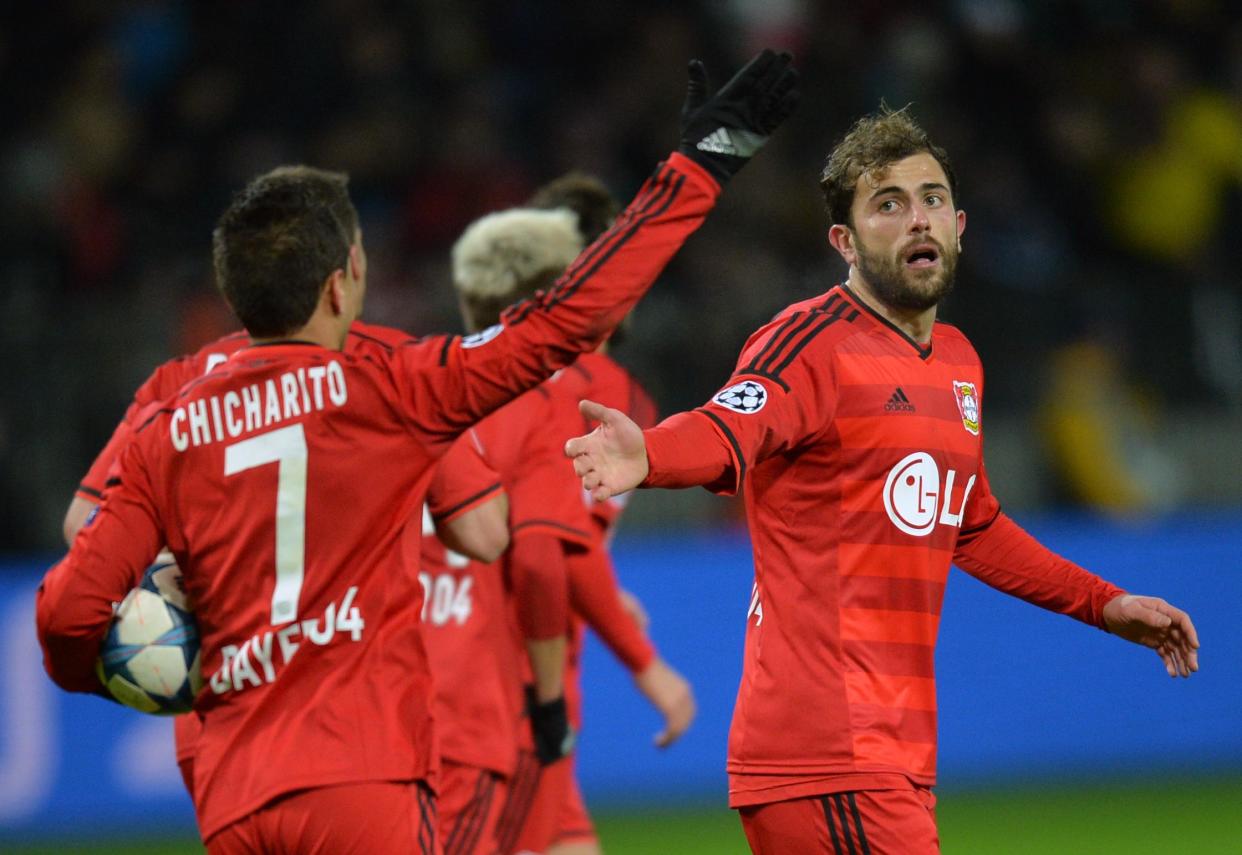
column 968, row 405
column 746, row 397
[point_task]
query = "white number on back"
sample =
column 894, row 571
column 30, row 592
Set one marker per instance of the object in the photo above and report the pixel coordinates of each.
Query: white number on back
column 285, row 447
column 446, row 598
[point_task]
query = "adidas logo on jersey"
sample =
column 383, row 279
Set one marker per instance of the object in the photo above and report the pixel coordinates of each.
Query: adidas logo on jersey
column 899, row 403
column 736, row 142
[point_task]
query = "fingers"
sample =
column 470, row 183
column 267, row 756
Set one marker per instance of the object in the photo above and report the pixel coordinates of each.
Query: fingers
column 579, row 448
column 676, row 722
column 1178, row 636
column 697, row 87
column 1182, row 622
column 597, row 412
column 1169, row 667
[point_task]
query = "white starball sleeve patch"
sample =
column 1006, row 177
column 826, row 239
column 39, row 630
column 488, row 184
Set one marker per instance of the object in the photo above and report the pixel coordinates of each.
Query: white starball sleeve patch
column 482, row 337
column 746, row 397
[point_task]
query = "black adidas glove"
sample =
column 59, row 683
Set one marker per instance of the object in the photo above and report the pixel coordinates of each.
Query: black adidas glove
column 722, row 132
column 549, row 722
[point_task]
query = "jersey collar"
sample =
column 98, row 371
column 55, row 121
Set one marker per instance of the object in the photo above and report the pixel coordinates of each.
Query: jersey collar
column 923, row 352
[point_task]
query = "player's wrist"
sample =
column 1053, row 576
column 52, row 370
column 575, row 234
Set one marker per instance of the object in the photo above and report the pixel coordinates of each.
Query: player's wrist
column 550, row 728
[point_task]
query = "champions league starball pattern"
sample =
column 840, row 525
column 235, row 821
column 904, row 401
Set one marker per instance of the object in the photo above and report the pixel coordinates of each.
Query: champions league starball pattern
column 745, row 397
column 149, row 660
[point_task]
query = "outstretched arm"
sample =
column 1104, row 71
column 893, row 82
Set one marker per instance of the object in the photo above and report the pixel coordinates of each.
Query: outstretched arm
column 1009, row 559
column 1152, row 622
column 684, row 450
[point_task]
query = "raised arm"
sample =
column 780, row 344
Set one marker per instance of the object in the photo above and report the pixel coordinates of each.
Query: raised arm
column 475, row 374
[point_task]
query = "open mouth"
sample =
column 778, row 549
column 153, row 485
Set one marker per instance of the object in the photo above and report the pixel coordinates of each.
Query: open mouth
column 922, row 256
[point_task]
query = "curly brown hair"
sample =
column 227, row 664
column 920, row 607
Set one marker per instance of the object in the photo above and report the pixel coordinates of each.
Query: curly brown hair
column 871, row 146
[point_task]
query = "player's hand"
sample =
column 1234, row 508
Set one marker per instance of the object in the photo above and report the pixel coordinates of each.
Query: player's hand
column 721, row 132
column 1152, row 622
column 612, row 458
column 634, row 608
column 669, row 693
column 549, row 724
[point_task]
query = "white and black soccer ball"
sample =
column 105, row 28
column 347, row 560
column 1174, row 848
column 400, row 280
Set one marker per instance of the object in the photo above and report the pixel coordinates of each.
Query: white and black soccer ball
column 150, row 657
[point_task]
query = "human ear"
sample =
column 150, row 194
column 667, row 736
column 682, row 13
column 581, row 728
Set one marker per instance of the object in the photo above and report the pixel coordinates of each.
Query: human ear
column 841, row 237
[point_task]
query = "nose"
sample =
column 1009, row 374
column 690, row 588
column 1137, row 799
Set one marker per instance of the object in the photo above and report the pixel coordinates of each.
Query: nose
column 918, row 219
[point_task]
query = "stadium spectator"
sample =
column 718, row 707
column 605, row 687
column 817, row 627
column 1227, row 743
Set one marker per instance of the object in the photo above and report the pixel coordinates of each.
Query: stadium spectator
column 293, row 753
column 853, row 424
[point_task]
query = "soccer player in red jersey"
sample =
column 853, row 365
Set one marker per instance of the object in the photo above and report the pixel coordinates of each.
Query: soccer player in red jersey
column 472, row 658
column 558, row 815
column 853, row 425
column 282, row 482
column 494, row 639
column 501, row 258
column 558, row 821
column 478, row 527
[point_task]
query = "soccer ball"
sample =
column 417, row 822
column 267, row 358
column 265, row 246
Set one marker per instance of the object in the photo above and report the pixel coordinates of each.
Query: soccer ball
column 150, row 657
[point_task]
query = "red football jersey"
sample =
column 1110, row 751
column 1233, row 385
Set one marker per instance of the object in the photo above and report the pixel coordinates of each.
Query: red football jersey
column 594, row 592
column 598, row 377
column 549, row 802
column 861, row 456
column 522, row 443
column 282, row 480
column 165, row 382
column 465, row 624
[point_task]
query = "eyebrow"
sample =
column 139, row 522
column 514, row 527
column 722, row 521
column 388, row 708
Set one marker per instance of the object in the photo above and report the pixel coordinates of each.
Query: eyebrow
column 925, row 186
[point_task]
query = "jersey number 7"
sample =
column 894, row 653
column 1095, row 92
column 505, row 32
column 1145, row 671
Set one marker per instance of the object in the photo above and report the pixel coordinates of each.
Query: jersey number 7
column 285, row 447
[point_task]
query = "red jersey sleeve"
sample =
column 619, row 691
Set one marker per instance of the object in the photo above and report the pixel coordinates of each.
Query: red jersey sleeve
column 95, row 481
column 1007, row 558
column 450, row 382
column 540, row 581
column 524, row 442
column 75, row 601
column 775, row 401
column 463, row 480
column 595, row 597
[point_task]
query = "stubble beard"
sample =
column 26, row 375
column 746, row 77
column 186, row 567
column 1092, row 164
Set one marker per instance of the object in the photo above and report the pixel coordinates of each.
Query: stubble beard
column 897, row 286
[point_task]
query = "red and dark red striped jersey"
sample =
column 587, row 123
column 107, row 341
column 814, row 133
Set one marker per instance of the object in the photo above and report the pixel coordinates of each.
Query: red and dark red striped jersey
column 860, row 454
column 169, row 377
column 282, row 481
column 465, row 623
column 593, row 589
column 165, row 382
column 598, row 377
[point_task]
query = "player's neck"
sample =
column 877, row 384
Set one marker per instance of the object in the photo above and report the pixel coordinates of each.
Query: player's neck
column 321, row 330
column 913, row 322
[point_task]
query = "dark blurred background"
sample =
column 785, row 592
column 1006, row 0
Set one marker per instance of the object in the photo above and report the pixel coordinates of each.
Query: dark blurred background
column 1098, row 145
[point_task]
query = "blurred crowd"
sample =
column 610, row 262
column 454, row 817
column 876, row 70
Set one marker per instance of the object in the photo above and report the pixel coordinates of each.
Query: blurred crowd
column 1098, row 145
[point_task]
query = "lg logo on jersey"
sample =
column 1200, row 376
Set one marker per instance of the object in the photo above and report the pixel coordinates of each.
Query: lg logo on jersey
column 916, row 499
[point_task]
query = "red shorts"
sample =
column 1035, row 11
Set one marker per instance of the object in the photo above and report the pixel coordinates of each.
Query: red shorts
column 558, row 814
column 345, row 819
column 544, row 807
column 864, row 822
column 469, row 804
